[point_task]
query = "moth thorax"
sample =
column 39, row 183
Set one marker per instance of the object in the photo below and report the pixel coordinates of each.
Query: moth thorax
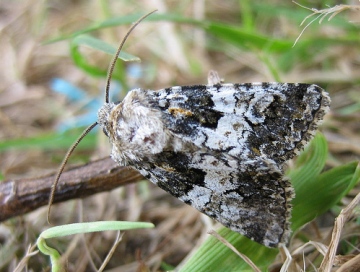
column 139, row 131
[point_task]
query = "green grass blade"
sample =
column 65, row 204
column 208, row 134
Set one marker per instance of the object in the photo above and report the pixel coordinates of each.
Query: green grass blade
column 81, row 61
column 129, row 19
column 49, row 141
column 100, row 45
column 247, row 39
column 316, row 193
column 86, row 227
column 309, row 163
column 214, row 256
column 325, row 191
column 70, row 229
column 298, row 14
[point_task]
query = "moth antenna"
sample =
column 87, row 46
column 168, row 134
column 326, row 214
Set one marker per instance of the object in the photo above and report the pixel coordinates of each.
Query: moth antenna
column 62, row 166
column 87, row 130
column 113, row 62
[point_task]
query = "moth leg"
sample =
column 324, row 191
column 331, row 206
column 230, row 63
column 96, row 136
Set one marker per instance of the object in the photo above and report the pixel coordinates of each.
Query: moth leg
column 214, row 78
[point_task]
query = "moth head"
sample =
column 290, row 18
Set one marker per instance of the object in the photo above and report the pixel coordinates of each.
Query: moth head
column 133, row 128
column 104, row 117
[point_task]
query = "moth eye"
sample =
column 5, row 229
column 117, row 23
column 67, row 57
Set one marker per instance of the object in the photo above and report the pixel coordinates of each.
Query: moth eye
column 105, row 132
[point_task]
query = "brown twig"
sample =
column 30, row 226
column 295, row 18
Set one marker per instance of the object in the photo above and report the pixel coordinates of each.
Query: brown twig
column 18, row 197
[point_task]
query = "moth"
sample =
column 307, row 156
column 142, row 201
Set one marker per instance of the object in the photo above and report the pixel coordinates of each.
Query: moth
column 220, row 148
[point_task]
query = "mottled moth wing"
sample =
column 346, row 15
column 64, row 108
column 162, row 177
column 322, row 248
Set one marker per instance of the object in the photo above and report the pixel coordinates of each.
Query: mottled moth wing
column 252, row 197
column 249, row 120
column 220, row 148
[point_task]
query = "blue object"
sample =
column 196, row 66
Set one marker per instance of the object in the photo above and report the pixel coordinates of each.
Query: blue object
column 78, row 96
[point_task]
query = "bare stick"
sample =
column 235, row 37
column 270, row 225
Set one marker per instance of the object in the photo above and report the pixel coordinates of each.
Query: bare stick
column 18, row 197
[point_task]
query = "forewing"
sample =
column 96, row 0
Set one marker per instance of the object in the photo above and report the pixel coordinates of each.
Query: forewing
column 245, row 120
column 252, row 198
